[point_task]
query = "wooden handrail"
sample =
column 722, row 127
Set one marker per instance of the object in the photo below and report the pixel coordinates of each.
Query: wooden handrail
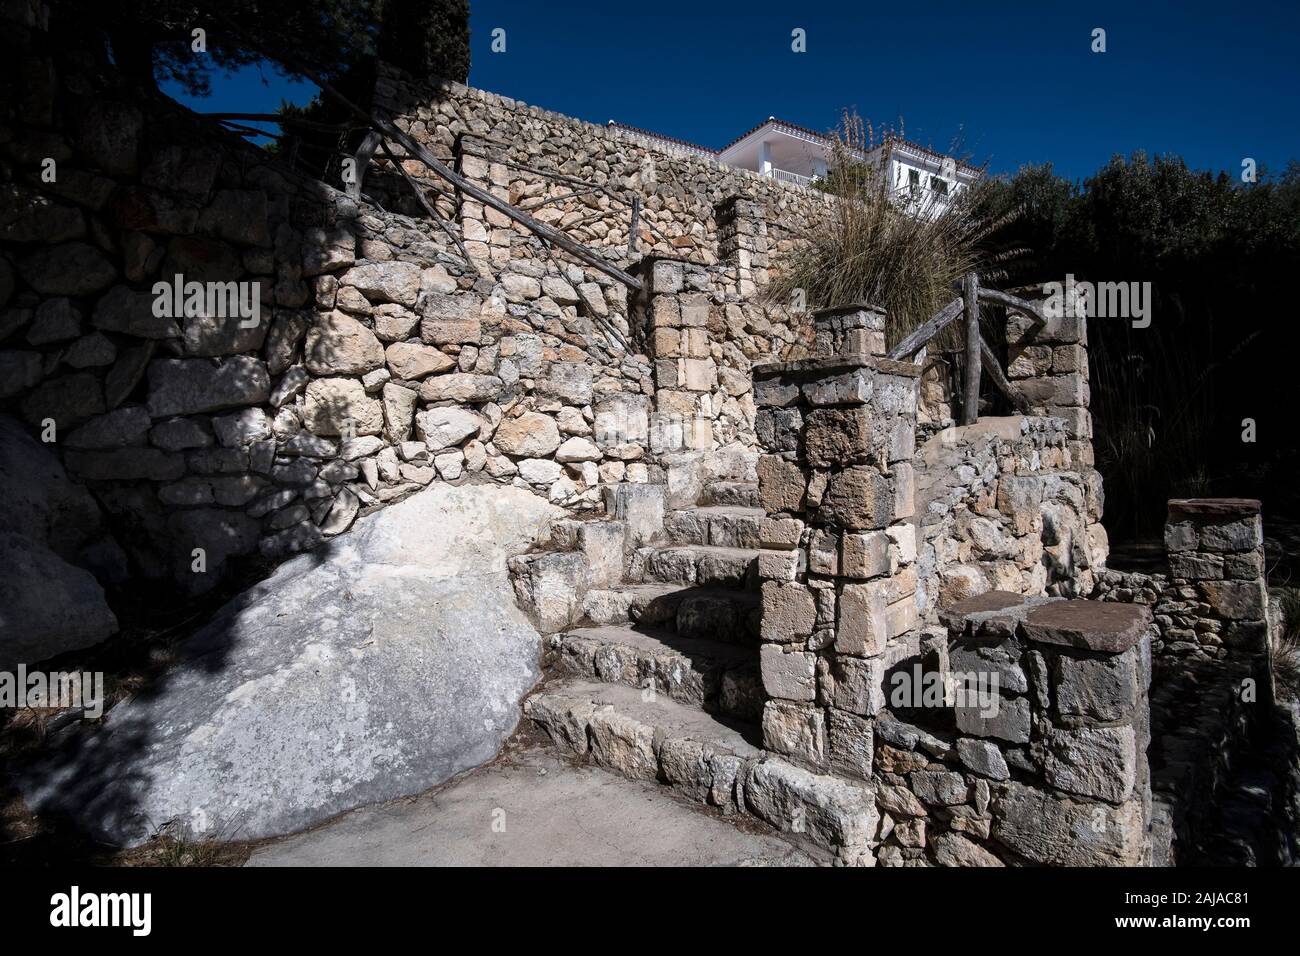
column 915, row 340
column 388, row 131
column 970, row 401
column 994, row 370
column 1023, row 306
column 979, row 356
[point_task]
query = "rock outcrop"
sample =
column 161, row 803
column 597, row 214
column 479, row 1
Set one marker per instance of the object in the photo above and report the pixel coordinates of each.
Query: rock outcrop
column 53, row 537
column 373, row 669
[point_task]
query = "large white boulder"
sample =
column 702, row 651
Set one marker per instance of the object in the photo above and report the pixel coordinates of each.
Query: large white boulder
column 374, row 668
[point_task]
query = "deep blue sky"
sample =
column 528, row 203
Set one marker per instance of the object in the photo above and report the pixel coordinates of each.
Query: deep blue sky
column 1013, row 82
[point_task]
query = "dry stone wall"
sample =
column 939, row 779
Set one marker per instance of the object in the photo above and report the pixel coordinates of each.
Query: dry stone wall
column 1213, row 687
column 370, row 360
column 680, row 192
column 1006, row 728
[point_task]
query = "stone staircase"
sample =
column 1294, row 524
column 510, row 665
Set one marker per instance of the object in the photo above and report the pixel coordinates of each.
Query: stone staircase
column 656, row 674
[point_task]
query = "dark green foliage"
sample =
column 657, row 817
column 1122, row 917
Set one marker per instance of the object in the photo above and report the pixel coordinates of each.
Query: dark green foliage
column 427, row 38
column 151, row 40
column 1168, row 401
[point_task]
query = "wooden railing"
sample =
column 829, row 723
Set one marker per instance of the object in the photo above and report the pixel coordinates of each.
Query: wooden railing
column 980, row 359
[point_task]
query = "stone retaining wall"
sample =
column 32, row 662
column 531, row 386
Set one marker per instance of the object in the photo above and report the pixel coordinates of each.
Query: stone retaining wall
column 687, row 200
column 1048, row 765
column 379, row 360
column 1212, row 692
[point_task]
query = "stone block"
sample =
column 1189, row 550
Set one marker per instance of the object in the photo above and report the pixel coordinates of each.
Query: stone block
column 789, row 612
column 836, row 437
column 1235, row 600
column 835, row 814
column 1103, row 689
column 1001, row 718
column 850, row 744
column 788, row 674
column 1107, row 627
column 864, row 554
column 781, row 485
column 795, row 730
column 862, row 628
column 853, row 684
column 859, row 498
column 1100, row 763
column 849, row 388
column 1048, row 830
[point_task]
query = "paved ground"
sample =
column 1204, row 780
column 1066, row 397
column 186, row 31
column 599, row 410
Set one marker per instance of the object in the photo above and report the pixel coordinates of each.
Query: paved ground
column 534, row 809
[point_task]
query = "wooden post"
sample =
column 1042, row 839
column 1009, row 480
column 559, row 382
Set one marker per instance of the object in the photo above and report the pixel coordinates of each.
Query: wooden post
column 636, row 216
column 970, row 406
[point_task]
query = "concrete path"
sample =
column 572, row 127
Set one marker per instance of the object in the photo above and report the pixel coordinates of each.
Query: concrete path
column 533, row 809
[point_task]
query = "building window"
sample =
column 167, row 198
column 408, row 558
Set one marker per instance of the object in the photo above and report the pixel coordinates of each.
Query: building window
column 914, row 181
column 940, row 186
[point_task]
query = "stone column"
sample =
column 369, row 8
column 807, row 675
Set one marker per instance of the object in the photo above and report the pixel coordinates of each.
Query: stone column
column 850, row 330
column 487, row 233
column 742, row 241
column 685, row 375
column 1216, row 600
column 1051, row 707
column 838, row 578
column 1050, row 367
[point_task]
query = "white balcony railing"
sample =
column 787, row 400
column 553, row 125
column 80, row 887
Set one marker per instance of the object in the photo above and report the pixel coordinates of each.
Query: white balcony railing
column 786, row 176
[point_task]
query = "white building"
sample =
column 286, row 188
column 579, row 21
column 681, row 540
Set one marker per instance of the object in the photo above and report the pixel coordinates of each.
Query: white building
column 791, row 153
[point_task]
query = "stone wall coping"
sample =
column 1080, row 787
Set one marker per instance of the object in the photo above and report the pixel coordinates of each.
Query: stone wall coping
column 1215, row 507
column 418, row 92
column 847, row 361
column 1103, row 626
column 993, row 614
column 847, row 309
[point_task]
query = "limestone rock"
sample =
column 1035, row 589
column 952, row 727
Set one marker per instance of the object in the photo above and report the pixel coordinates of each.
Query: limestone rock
column 70, row 268
column 293, row 704
column 411, row 361
column 531, row 435
column 340, row 406
column 441, row 428
column 385, row 281
column 187, row 386
column 340, row 345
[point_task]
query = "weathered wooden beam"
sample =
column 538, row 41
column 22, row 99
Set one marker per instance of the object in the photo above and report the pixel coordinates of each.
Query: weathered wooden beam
column 993, row 368
column 1031, row 309
column 428, row 206
column 636, row 217
column 970, row 406
column 915, row 340
column 361, row 162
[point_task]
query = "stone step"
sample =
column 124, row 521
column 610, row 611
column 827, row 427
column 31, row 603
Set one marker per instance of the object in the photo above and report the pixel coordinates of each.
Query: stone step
column 725, row 526
column 720, row 614
column 699, row 564
column 738, row 494
column 706, row 758
column 717, row 677
column 647, row 604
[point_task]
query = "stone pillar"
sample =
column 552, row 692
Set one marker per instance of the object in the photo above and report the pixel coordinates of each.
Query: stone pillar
column 742, row 241
column 850, row 330
column 685, row 375
column 1216, row 599
column 837, row 569
column 487, row 233
column 1050, row 367
column 1051, row 708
